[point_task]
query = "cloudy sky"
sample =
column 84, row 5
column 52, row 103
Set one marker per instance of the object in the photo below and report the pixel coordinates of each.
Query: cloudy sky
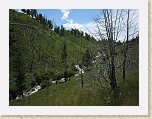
column 82, row 19
column 71, row 18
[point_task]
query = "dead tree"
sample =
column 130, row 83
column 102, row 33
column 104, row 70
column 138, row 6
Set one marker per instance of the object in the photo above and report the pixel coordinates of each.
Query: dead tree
column 131, row 24
column 109, row 28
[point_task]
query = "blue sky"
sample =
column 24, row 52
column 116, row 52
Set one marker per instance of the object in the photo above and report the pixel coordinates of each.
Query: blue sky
column 80, row 16
column 82, row 19
column 71, row 18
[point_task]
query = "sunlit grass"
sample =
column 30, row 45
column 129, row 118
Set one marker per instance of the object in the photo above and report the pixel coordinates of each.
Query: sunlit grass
column 72, row 94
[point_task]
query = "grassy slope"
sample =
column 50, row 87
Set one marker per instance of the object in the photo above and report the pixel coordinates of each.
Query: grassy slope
column 72, row 94
column 44, row 42
column 69, row 93
column 41, row 46
column 62, row 94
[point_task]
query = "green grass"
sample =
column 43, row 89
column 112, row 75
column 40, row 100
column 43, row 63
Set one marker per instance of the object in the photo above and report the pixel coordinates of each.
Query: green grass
column 72, row 94
column 43, row 48
column 69, row 93
column 127, row 94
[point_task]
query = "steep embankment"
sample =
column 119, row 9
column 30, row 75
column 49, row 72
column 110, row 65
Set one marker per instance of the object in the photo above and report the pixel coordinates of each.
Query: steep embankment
column 38, row 55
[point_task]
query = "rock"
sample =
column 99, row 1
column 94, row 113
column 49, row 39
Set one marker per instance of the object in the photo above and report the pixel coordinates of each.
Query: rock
column 38, row 87
column 53, row 81
column 62, row 80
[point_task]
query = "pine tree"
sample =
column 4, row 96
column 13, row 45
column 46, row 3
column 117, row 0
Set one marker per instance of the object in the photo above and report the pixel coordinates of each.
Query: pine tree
column 28, row 12
column 20, row 73
column 23, row 10
column 64, row 59
column 35, row 13
column 32, row 13
column 40, row 18
column 86, row 60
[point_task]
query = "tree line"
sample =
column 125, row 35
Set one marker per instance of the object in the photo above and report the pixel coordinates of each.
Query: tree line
column 39, row 17
column 115, row 57
column 60, row 30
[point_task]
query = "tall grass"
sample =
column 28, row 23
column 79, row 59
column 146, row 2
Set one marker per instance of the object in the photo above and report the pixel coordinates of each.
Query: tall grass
column 72, row 94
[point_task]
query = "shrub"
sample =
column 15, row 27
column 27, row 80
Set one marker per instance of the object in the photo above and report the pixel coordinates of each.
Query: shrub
column 70, row 73
column 43, row 75
column 45, row 84
column 59, row 75
column 33, row 83
column 12, row 92
column 38, row 78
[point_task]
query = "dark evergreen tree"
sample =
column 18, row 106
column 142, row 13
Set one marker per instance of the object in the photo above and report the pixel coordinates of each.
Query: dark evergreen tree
column 75, row 33
column 78, row 33
column 43, row 20
column 20, row 73
column 64, row 53
column 57, row 29
column 28, row 12
column 87, row 36
column 40, row 18
column 46, row 22
column 35, row 13
column 51, row 24
column 72, row 31
column 62, row 31
column 23, row 10
column 64, row 59
column 37, row 17
column 17, row 62
column 86, row 60
column 32, row 13
column 81, row 34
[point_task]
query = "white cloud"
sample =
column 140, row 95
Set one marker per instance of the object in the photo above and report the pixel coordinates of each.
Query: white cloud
column 70, row 21
column 21, row 11
column 91, row 29
column 65, row 14
column 86, row 28
column 70, row 25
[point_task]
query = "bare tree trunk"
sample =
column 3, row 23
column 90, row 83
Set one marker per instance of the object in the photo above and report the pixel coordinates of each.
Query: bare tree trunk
column 125, row 48
column 114, row 26
column 112, row 66
column 81, row 65
column 81, row 78
column 113, row 77
column 110, row 35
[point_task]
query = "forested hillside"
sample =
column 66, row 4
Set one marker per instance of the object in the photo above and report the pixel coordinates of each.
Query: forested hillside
column 86, row 71
column 35, row 49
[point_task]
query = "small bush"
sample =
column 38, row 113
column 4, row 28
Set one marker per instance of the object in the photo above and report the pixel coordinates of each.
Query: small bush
column 12, row 92
column 43, row 75
column 33, row 83
column 59, row 75
column 70, row 73
column 45, row 84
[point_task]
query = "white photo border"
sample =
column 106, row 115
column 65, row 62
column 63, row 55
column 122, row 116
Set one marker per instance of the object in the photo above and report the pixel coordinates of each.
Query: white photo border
column 142, row 109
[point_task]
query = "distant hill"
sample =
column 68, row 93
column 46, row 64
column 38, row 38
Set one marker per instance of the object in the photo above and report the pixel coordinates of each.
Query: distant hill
column 39, row 55
column 35, row 48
